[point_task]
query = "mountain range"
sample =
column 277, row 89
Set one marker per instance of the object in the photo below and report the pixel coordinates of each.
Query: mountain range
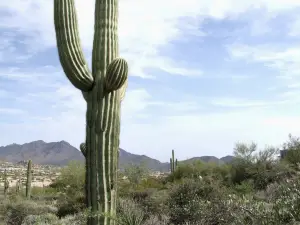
column 60, row 153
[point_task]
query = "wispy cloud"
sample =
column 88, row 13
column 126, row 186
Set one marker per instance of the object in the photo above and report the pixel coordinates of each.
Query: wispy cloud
column 201, row 77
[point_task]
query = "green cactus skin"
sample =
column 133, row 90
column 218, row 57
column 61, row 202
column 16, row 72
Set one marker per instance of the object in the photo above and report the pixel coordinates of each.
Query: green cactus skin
column 103, row 89
column 173, row 163
column 83, row 149
column 29, row 178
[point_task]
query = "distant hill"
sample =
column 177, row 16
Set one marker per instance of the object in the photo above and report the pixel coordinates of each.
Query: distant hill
column 212, row 159
column 60, row 153
column 227, row 159
column 40, row 152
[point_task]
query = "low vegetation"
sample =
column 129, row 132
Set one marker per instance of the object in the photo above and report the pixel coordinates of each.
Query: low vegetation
column 257, row 188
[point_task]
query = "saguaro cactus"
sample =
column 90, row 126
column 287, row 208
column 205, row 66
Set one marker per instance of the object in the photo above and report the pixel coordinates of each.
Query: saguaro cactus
column 6, row 184
column 103, row 88
column 173, row 162
column 18, row 184
column 28, row 181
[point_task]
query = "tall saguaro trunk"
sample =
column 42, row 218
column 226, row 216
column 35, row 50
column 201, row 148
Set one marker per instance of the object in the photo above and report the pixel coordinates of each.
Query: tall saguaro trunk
column 29, row 179
column 103, row 89
column 173, row 162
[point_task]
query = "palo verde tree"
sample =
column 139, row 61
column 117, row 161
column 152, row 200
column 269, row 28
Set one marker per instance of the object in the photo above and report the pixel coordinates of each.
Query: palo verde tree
column 103, row 88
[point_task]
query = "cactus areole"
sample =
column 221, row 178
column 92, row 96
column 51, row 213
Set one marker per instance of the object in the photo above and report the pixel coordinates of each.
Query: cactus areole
column 103, row 88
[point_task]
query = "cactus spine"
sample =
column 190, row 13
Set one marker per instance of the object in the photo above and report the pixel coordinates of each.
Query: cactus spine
column 28, row 181
column 6, row 184
column 103, row 88
column 173, row 163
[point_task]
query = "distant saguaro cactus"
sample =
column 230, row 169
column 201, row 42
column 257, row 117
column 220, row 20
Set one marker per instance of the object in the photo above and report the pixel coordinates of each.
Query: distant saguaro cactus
column 103, row 88
column 18, row 185
column 6, row 184
column 173, row 163
column 29, row 178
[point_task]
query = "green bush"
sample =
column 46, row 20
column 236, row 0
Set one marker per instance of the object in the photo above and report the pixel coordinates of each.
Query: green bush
column 71, row 179
column 286, row 201
column 293, row 155
column 128, row 213
column 197, row 169
column 70, row 205
column 16, row 212
column 43, row 219
column 185, row 200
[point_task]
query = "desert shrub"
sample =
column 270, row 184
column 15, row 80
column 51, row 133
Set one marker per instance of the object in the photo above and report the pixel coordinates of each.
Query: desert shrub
column 286, row 201
column 151, row 201
column 71, row 179
column 129, row 213
column 43, row 219
column 70, row 205
column 293, row 155
column 198, row 169
column 185, row 200
column 51, row 219
column 76, row 219
column 141, row 196
column 152, row 182
column 155, row 220
column 186, row 170
column 136, row 173
column 44, row 191
column 245, row 210
column 239, row 172
column 245, row 187
column 261, row 167
column 16, row 212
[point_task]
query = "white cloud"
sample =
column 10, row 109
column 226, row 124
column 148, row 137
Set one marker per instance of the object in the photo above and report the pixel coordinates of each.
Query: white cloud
column 142, row 34
column 11, row 111
column 237, row 102
column 146, row 28
column 283, row 61
column 294, row 28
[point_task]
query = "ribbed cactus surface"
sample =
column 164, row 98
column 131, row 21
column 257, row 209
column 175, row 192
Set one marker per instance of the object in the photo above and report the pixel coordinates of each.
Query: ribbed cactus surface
column 173, row 163
column 103, row 88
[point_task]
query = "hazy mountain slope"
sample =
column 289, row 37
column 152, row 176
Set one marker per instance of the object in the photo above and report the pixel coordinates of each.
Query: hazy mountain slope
column 60, row 153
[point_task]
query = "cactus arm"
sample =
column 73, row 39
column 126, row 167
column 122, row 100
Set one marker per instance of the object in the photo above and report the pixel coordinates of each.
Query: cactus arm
column 68, row 44
column 83, row 149
column 116, row 74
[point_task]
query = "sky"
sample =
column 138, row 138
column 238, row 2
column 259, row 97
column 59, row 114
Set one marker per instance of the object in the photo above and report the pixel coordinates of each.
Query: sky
column 203, row 75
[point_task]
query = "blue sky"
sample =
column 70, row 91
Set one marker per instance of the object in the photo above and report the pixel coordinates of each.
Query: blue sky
column 203, row 75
